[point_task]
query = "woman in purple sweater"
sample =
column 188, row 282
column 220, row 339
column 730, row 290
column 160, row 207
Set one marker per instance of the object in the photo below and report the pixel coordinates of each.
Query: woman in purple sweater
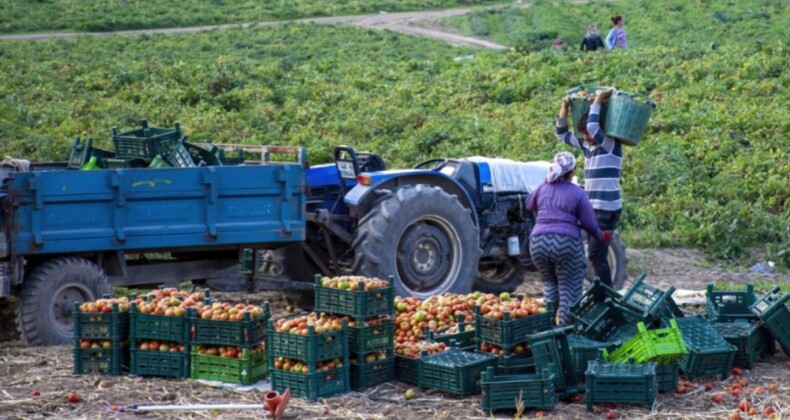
column 555, row 243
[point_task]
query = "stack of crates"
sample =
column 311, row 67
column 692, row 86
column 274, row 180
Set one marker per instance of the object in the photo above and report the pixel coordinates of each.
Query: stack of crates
column 551, row 348
column 663, row 346
column 230, row 351
column 509, row 392
column 620, row 383
column 772, row 310
column 160, row 344
column 101, row 341
column 371, row 326
column 708, row 353
column 508, row 334
column 312, row 364
column 730, row 314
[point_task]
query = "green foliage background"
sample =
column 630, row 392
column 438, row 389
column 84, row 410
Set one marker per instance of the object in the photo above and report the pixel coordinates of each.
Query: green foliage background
column 115, row 15
column 711, row 172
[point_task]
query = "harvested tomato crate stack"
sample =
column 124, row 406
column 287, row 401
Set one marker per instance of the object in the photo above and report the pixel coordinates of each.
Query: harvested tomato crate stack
column 228, row 342
column 159, row 334
column 369, row 308
column 502, row 328
column 101, row 336
column 308, row 353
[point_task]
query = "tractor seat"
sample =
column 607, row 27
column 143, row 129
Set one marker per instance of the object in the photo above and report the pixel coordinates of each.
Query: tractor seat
column 370, row 162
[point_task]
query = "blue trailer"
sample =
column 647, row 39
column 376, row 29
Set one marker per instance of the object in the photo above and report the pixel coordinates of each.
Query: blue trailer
column 69, row 236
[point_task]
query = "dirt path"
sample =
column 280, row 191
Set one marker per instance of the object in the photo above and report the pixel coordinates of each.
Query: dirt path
column 398, row 22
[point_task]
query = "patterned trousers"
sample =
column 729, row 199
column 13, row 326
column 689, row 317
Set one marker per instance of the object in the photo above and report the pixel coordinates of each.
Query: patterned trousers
column 560, row 262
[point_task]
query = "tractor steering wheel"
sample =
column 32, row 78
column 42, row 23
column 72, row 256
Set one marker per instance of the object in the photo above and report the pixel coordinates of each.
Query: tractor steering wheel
column 438, row 164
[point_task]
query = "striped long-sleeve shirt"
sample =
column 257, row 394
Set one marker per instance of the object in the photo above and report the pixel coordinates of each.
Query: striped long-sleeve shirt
column 603, row 161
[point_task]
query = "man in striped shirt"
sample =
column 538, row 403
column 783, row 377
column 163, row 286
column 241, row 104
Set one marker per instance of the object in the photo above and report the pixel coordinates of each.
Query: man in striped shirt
column 603, row 160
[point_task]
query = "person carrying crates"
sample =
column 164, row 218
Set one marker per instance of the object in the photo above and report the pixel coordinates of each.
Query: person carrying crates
column 603, row 159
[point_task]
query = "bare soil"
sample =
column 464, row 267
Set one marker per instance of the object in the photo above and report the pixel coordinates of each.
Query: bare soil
column 49, row 370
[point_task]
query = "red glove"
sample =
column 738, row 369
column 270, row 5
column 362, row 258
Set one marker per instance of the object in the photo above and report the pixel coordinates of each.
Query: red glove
column 607, row 237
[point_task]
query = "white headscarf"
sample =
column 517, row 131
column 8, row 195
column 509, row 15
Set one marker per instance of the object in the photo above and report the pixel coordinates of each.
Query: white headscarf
column 563, row 163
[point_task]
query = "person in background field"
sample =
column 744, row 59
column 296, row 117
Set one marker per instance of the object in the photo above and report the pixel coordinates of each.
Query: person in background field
column 557, row 44
column 603, row 161
column 617, row 37
column 592, row 41
column 555, row 243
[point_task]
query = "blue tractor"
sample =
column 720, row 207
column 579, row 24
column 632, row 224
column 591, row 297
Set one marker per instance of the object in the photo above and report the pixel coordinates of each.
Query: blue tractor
column 446, row 225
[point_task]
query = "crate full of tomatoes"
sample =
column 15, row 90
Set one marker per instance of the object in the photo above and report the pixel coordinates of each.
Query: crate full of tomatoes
column 230, row 364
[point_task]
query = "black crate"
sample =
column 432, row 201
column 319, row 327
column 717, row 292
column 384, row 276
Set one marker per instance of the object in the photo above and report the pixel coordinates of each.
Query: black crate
column 652, row 301
column 367, row 339
column 407, row 369
column 112, row 326
column 730, row 305
column 614, row 324
column 772, row 310
column 360, row 304
column 620, row 383
column 709, row 354
column 454, row 371
column 748, row 337
column 504, row 392
column 550, row 348
column 110, row 360
column 160, row 363
column 311, row 348
column 249, row 332
column 367, row 375
column 146, row 142
column 591, row 304
column 312, row 385
column 507, row 332
column 158, row 327
column 582, row 351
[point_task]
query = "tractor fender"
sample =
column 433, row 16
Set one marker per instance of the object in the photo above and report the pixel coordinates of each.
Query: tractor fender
column 361, row 197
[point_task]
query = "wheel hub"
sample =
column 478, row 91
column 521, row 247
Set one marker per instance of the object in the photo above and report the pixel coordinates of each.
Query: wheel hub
column 422, row 256
column 62, row 306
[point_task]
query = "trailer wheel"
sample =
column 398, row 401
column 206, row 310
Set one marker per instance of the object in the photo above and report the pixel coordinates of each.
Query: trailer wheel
column 618, row 262
column 424, row 237
column 500, row 276
column 44, row 315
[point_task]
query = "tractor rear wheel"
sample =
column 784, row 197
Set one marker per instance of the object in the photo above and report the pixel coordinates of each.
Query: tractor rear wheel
column 424, row 237
column 499, row 276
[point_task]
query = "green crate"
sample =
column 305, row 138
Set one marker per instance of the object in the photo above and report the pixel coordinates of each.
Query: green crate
column 81, row 154
column 226, row 159
column 614, row 324
column 580, row 104
column 179, row 157
column 102, row 361
column 591, row 304
column 407, row 369
column 516, row 365
column 158, row 327
column 652, row 301
column 312, row 385
column 504, row 392
column 146, row 142
column 627, row 115
column 507, row 332
column 113, row 326
column 454, row 371
column 667, row 376
column 462, row 339
column 118, row 163
column 550, row 348
column 159, row 162
column 210, row 157
column 663, row 346
column 311, row 348
column 160, row 363
column 730, row 306
column 249, row 332
column 709, row 354
column 620, row 383
column 367, row 375
column 246, row 370
column 362, row 340
column 772, row 310
column 747, row 337
column 360, row 304
column 582, row 351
